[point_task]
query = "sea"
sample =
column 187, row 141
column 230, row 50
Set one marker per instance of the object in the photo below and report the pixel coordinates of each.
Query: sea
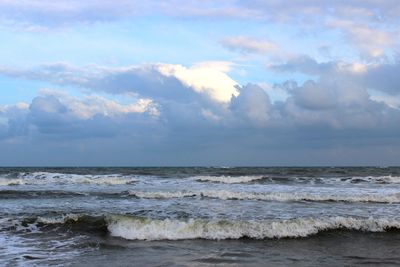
column 200, row 216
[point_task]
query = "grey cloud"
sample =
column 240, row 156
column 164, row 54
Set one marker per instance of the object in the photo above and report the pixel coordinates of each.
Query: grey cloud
column 304, row 64
column 384, row 77
column 337, row 98
column 381, row 77
column 53, row 116
column 340, row 107
column 253, row 104
column 13, row 121
column 47, row 104
column 313, row 96
column 145, row 80
column 184, row 137
column 318, row 115
column 52, row 119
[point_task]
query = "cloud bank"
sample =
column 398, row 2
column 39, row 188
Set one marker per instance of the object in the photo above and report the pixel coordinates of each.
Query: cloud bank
column 200, row 109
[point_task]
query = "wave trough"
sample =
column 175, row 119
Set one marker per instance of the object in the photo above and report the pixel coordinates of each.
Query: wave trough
column 229, row 179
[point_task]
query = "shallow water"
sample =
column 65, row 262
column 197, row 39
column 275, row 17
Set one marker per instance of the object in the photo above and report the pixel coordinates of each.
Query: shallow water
column 199, row 216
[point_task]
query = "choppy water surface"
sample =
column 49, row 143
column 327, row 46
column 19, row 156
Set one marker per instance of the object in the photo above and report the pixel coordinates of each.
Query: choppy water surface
column 199, row 216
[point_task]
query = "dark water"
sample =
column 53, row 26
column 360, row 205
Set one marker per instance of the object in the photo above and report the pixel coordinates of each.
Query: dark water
column 199, row 216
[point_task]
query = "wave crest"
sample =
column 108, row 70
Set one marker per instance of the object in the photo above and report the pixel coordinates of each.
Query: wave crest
column 147, row 229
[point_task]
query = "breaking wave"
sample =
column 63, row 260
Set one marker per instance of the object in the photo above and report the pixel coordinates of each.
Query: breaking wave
column 167, row 229
column 140, row 228
column 271, row 196
column 43, row 178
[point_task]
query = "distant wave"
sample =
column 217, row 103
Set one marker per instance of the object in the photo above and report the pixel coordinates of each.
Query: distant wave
column 229, row 179
column 140, row 228
column 43, row 178
column 331, row 196
column 270, row 196
column 386, row 179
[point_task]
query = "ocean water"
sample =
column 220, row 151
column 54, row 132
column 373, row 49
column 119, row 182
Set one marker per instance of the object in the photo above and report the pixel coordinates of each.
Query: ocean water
column 200, row 216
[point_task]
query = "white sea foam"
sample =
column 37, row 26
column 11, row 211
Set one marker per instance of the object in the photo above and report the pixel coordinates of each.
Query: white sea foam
column 11, row 181
column 33, row 225
column 229, row 179
column 272, row 196
column 58, row 220
column 42, row 178
column 148, row 229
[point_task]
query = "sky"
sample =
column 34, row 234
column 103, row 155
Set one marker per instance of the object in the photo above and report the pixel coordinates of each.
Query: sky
column 199, row 83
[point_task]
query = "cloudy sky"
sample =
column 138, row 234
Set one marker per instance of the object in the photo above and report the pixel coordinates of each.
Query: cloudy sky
column 263, row 82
